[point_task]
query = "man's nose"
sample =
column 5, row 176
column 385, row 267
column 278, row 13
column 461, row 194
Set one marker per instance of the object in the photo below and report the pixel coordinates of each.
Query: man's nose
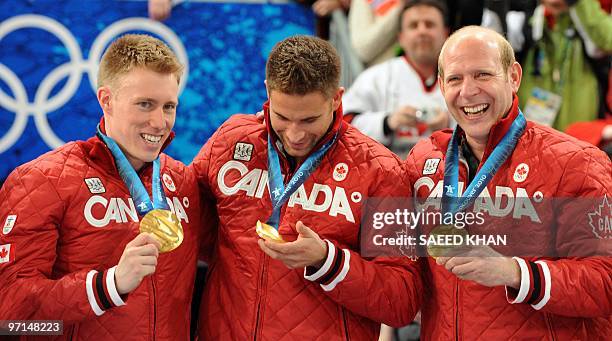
column 156, row 120
column 469, row 87
column 422, row 28
column 295, row 133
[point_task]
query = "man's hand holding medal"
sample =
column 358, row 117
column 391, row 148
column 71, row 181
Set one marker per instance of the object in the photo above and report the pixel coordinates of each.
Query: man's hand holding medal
column 307, row 250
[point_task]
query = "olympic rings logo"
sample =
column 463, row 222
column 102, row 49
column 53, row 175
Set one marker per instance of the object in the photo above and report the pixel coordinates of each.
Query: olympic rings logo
column 74, row 69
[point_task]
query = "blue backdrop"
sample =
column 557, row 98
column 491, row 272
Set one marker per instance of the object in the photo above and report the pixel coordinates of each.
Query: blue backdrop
column 49, row 51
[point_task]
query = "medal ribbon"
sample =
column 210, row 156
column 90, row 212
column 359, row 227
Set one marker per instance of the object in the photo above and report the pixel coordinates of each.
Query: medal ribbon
column 452, row 202
column 279, row 194
column 132, row 181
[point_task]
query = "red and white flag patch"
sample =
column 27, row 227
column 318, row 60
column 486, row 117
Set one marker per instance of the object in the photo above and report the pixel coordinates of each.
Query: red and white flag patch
column 340, row 171
column 168, row 182
column 7, row 254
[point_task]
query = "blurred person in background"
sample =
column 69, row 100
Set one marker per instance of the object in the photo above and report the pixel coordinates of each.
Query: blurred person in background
column 566, row 62
column 323, row 9
column 373, row 29
column 160, row 9
column 399, row 101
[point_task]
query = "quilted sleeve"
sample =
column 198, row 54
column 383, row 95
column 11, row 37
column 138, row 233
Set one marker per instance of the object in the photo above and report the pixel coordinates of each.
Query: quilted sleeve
column 411, row 166
column 201, row 167
column 209, row 225
column 32, row 213
column 384, row 289
column 203, row 163
column 579, row 285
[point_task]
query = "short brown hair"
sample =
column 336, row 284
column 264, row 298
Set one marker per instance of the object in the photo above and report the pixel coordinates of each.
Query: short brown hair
column 437, row 4
column 302, row 64
column 132, row 51
column 506, row 53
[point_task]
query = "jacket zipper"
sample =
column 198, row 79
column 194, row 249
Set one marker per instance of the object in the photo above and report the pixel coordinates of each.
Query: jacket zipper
column 457, row 311
column 346, row 332
column 260, row 297
column 550, row 326
column 154, row 306
column 263, row 280
column 262, row 277
column 72, row 332
column 466, row 183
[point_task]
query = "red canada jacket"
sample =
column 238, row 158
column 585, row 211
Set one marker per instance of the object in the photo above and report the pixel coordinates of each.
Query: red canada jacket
column 67, row 217
column 251, row 296
column 559, row 298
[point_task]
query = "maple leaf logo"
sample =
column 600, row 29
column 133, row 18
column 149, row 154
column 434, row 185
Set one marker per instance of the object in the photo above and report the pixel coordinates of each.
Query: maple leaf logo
column 3, row 253
column 340, row 171
column 408, row 251
column 601, row 220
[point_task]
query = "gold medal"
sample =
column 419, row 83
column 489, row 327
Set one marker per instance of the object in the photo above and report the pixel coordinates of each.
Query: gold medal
column 445, row 233
column 268, row 232
column 165, row 227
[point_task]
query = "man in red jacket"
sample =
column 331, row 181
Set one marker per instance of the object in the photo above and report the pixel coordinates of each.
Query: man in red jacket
column 70, row 248
column 508, row 167
column 303, row 171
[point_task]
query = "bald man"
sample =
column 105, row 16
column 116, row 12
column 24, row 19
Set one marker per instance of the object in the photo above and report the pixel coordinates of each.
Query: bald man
column 499, row 164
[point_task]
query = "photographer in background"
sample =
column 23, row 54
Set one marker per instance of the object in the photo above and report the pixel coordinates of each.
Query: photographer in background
column 399, row 101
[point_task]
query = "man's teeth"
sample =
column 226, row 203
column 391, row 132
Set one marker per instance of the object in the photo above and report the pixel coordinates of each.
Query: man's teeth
column 476, row 109
column 151, row 138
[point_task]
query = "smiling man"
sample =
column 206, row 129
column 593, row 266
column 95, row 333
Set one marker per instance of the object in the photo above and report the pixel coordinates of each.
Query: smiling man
column 71, row 217
column 303, row 171
column 480, row 293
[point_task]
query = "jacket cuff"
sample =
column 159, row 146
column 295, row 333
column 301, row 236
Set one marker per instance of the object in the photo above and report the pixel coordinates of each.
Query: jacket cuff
column 535, row 284
column 386, row 129
column 334, row 269
column 102, row 292
column 312, row 274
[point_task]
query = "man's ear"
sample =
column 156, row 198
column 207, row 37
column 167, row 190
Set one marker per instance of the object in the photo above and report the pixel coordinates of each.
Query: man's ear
column 515, row 74
column 267, row 90
column 337, row 98
column 104, row 98
column 441, row 83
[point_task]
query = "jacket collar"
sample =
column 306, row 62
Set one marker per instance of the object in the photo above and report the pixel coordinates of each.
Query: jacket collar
column 103, row 157
column 499, row 129
column 337, row 126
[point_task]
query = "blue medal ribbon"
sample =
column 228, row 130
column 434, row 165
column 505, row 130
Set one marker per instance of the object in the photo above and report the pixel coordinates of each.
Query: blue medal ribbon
column 132, row 181
column 452, row 202
column 279, row 194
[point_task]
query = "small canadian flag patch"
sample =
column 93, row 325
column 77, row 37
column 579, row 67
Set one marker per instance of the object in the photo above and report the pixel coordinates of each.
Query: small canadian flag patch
column 6, row 253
